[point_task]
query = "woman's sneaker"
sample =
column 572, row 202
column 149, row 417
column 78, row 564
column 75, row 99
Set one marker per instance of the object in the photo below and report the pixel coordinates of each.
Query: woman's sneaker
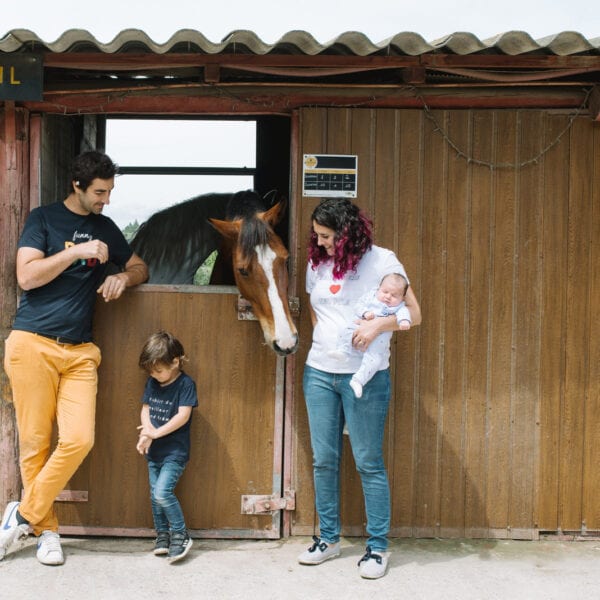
column 49, row 551
column 180, row 545
column 161, row 543
column 319, row 552
column 373, row 565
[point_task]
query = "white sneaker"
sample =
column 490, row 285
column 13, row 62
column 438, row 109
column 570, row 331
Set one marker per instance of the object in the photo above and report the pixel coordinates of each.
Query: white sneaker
column 319, row 552
column 49, row 551
column 10, row 529
column 373, row 565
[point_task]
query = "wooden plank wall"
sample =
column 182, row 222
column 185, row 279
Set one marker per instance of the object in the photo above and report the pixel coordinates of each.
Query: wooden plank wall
column 14, row 190
column 494, row 428
column 233, row 428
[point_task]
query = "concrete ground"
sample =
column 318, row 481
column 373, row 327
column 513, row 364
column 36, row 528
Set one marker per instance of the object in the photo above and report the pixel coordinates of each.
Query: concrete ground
column 428, row 569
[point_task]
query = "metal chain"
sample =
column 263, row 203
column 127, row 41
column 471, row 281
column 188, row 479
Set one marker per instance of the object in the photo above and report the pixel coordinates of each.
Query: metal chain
column 471, row 160
column 428, row 113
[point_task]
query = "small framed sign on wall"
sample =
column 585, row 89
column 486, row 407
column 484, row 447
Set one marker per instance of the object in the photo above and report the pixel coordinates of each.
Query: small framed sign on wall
column 330, row 175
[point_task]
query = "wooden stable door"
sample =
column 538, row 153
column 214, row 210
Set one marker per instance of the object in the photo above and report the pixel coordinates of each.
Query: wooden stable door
column 236, row 429
column 494, row 424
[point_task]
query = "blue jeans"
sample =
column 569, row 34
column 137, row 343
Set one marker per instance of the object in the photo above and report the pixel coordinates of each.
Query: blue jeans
column 330, row 401
column 166, row 509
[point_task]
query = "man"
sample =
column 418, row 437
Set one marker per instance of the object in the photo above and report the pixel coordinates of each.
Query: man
column 62, row 262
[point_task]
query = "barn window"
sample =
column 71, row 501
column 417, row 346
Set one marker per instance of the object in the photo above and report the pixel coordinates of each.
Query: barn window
column 164, row 161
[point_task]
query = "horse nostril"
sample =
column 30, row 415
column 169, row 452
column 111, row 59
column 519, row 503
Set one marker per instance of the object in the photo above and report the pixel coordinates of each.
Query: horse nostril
column 281, row 352
column 285, row 351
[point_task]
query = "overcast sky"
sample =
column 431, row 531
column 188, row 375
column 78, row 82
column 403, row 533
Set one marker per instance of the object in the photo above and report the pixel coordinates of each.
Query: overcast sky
column 270, row 20
column 325, row 19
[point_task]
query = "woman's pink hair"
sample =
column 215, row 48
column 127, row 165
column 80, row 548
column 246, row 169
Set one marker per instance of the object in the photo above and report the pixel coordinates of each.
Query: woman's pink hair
column 353, row 235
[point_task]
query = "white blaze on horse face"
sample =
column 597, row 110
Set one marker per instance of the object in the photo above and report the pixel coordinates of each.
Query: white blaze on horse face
column 285, row 338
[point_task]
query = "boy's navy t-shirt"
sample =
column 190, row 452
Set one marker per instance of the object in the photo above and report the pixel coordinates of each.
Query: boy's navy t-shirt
column 164, row 402
column 64, row 306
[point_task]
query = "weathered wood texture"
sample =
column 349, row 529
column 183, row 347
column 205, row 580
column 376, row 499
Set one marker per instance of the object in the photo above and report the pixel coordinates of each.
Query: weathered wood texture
column 495, row 418
column 14, row 201
column 34, row 151
column 232, row 430
column 494, row 423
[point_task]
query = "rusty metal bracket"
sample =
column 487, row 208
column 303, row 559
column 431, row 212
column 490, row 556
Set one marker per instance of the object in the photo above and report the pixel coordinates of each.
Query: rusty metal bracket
column 264, row 505
column 245, row 312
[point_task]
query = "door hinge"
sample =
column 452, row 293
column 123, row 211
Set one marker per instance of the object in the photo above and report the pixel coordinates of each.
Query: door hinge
column 264, row 505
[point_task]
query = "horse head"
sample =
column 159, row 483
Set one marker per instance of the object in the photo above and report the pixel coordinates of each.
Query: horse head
column 259, row 260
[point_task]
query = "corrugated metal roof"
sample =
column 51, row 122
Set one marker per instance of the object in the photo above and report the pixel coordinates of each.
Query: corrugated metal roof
column 352, row 43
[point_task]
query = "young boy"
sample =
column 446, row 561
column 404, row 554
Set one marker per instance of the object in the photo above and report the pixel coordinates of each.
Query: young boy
column 168, row 400
column 387, row 299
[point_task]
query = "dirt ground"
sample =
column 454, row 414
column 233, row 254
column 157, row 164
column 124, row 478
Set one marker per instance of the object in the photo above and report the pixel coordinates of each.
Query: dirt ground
column 428, row 569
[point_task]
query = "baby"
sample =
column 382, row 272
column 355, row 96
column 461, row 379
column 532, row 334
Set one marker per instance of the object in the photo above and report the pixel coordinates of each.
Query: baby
column 387, row 299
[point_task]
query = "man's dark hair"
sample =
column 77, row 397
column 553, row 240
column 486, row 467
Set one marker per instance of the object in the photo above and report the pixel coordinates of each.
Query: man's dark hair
column 91, row 165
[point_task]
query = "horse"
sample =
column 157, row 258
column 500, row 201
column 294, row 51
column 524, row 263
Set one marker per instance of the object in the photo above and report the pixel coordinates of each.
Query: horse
column 174, row 242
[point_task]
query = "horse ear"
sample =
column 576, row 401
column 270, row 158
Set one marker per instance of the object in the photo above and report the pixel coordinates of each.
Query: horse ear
column 228, row 229
column 274, row 214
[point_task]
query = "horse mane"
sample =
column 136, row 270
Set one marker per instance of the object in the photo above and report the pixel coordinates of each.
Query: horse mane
column 254, row 231
column 170, row 231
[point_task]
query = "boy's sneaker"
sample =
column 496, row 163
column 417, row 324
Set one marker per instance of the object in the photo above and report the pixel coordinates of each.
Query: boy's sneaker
column 49, row 551
column 161, row 544
column 373, row 565
column 319, row 552
column 180, row 545
column 10, row 528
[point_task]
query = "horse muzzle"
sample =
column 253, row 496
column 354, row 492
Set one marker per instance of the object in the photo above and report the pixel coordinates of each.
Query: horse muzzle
column 287, row 350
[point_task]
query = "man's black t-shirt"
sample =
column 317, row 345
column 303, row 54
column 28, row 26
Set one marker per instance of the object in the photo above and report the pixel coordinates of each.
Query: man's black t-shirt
column 64, row 306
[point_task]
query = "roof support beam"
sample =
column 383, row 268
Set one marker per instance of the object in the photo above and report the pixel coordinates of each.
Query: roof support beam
column 212, row 73
column 131, row 62
column 259, row 100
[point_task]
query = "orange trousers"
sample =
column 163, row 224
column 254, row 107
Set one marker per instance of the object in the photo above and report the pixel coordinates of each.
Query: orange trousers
column 51, row 383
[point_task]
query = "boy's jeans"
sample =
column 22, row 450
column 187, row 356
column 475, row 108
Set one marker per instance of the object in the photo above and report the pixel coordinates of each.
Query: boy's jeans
column 166, row 509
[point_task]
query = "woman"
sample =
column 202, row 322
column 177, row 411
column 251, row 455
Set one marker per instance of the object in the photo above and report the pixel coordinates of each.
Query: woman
column 343, row 264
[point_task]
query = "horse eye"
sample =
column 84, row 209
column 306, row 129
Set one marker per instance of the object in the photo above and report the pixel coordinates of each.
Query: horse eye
column 243, row 272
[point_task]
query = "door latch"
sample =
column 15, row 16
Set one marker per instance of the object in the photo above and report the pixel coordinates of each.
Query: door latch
column 264, row 505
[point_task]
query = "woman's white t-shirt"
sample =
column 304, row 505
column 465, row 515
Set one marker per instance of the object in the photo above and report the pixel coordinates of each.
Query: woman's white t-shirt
column 333, row 304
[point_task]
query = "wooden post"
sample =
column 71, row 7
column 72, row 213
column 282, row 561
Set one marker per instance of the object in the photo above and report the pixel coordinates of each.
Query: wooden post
column 594, row 103
column 14, row 206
